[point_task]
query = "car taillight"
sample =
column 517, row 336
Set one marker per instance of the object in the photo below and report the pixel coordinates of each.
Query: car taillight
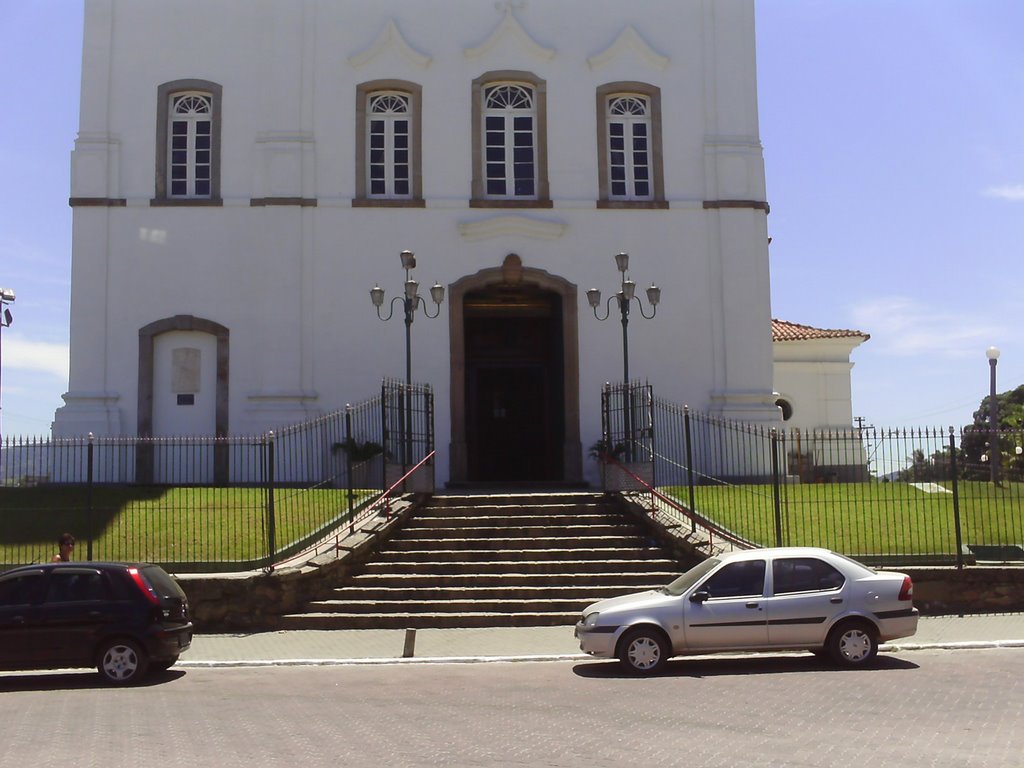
column 142, row 585
column 907, row 590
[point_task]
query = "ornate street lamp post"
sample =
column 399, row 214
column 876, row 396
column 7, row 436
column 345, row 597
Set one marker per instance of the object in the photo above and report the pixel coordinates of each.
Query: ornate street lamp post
column 410, row 301
column 625, row 297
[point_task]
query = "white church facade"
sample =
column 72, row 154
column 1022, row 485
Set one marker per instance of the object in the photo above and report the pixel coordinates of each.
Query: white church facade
column 245, row 172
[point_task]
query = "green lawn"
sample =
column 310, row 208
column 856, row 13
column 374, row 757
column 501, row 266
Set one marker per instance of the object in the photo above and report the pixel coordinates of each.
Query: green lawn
column 164, row 525
column 866, row 518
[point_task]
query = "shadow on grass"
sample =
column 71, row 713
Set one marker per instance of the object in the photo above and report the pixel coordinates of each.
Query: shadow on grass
column 41, row 514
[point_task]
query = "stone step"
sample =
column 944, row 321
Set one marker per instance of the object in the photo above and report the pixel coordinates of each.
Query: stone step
column 628, row 582
column 529, row 539
column 411, row 605
column 320, row 620
column 478, row 520
column 465, row 554
column 511, row 567
column 503, row 500
column 586, row 592
column 516, row 531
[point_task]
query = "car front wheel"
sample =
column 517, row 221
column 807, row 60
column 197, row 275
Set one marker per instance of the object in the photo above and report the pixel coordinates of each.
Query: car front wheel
column 644, row 651
column 122, row 662
column 852, row 644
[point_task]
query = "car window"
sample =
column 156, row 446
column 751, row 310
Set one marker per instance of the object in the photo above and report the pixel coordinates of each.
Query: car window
column 804, row 574
column 162, row 582
column 743, row 579
column 22, row 589
column 691, row 577
column 76, row 587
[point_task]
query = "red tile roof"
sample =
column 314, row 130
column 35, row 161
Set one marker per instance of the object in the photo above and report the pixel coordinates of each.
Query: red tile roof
column 784, row 331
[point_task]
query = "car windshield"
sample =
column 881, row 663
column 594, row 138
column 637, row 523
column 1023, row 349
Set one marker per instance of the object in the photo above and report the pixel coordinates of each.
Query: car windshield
column 691, row 577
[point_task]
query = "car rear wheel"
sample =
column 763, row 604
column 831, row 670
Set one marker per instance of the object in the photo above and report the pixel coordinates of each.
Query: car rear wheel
column 852, row 644
column 122, row 662
column 644, row 651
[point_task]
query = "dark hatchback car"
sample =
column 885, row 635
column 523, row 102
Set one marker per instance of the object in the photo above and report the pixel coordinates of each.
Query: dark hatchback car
column 124, row 619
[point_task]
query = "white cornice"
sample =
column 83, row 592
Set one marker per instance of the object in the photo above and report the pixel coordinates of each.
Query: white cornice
column 629, row 39
column 511, row 28
column 505, row 224
column 392, row 38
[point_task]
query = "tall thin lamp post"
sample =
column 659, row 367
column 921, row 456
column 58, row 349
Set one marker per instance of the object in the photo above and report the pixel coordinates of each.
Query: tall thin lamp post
column 6, row 297
column 992, row 353
column 411, row 300
column 625, row 297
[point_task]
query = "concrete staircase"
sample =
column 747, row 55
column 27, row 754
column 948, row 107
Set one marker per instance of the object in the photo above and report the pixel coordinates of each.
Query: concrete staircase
column 496, row 561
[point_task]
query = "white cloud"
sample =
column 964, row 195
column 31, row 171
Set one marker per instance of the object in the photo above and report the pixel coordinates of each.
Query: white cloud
column 38, row 356
column 1012, row 192
column 904, row 326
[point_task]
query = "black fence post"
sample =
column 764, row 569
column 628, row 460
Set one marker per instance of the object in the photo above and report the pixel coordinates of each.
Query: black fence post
column 689, row 468
column 88, row 497
column 349, row 441
column 956, row 501
column 271, row 517
column 776, row 486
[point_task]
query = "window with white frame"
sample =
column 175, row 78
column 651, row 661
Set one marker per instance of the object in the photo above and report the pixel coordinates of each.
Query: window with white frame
column 190, row 145
column 389, row 145
column 509, row 141
column 628, row 121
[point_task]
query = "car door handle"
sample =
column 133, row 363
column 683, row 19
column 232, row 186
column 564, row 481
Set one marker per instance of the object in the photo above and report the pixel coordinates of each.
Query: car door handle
column 753, row 605
column 836, row 600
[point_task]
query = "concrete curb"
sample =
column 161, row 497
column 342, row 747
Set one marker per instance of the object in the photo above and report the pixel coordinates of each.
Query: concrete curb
column 386, row 661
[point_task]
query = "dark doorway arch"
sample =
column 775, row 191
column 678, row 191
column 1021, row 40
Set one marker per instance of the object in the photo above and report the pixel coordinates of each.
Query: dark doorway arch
column 515, row 377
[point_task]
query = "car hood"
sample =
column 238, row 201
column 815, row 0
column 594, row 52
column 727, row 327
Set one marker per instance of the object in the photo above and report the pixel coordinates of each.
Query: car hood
column 630, row 602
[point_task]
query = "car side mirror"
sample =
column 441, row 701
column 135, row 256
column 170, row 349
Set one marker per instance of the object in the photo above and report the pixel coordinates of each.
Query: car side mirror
column 700, row 596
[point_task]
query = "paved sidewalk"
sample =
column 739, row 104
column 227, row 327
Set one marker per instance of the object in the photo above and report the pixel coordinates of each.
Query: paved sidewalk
column 389, row 646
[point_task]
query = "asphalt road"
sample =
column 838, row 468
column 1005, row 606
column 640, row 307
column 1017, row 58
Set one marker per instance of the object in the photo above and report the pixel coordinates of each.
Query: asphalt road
column 921, row 708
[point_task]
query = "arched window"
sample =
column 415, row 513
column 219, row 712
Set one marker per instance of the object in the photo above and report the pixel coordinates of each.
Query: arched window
column 509, row 149
column 190, row 150
column 388, row 162
column 388, row 144
column 188, row 143
column 510, row 142
column 629, row 148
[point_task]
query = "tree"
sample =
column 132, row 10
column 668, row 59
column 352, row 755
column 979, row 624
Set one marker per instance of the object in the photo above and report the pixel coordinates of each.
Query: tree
column 1010, row 436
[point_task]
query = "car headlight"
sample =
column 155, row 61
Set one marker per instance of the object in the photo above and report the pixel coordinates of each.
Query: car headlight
column 590, row 620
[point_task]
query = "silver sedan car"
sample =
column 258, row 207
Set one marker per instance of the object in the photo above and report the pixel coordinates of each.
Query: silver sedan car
column 756, row 600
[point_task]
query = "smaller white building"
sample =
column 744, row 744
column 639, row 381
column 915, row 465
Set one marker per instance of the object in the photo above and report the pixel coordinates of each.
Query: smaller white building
column 812, row 377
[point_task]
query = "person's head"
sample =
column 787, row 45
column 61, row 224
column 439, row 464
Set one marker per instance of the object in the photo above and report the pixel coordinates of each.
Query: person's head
column 66, row 543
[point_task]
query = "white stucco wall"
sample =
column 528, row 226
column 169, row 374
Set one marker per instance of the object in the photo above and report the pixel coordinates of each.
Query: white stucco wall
column 291, row 282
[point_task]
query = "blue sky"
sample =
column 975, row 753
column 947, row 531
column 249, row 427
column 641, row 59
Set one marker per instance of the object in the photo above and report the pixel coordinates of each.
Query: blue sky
column 894, row 148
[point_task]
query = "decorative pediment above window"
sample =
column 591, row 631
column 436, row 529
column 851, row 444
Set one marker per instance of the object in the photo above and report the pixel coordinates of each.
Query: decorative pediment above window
column 511, row 29
column 525, row 226
column 390, row 39
column 629, row 40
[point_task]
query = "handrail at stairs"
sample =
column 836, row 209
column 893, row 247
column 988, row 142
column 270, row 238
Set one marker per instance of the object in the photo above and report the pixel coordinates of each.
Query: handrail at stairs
column 695, row 519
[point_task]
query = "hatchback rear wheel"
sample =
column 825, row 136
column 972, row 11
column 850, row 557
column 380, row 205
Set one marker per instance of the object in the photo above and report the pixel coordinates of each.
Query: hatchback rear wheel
column 121, row 662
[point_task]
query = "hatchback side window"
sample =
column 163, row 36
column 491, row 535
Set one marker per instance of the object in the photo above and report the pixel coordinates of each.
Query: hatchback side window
column 21, row 590
column 804, row 574
column 76, row 587
column 744, row 579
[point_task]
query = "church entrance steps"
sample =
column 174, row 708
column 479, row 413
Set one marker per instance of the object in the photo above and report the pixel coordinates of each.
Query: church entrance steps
column 486, row 560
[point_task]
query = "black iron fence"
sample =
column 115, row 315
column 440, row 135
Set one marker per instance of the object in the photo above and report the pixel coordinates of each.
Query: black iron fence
column 204, row 504
column 881, row 495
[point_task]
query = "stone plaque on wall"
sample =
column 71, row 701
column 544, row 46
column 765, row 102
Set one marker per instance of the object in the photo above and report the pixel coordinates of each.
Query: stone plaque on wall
column 185, row 370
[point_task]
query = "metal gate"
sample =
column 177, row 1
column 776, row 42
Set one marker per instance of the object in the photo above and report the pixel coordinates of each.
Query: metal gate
column 627, row 435
column 407, row 415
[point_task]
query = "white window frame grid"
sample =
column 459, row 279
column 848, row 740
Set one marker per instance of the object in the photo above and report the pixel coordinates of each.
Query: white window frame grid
column 389, row 117
column 190, row 109
column 629, row 110
column 509, row 112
